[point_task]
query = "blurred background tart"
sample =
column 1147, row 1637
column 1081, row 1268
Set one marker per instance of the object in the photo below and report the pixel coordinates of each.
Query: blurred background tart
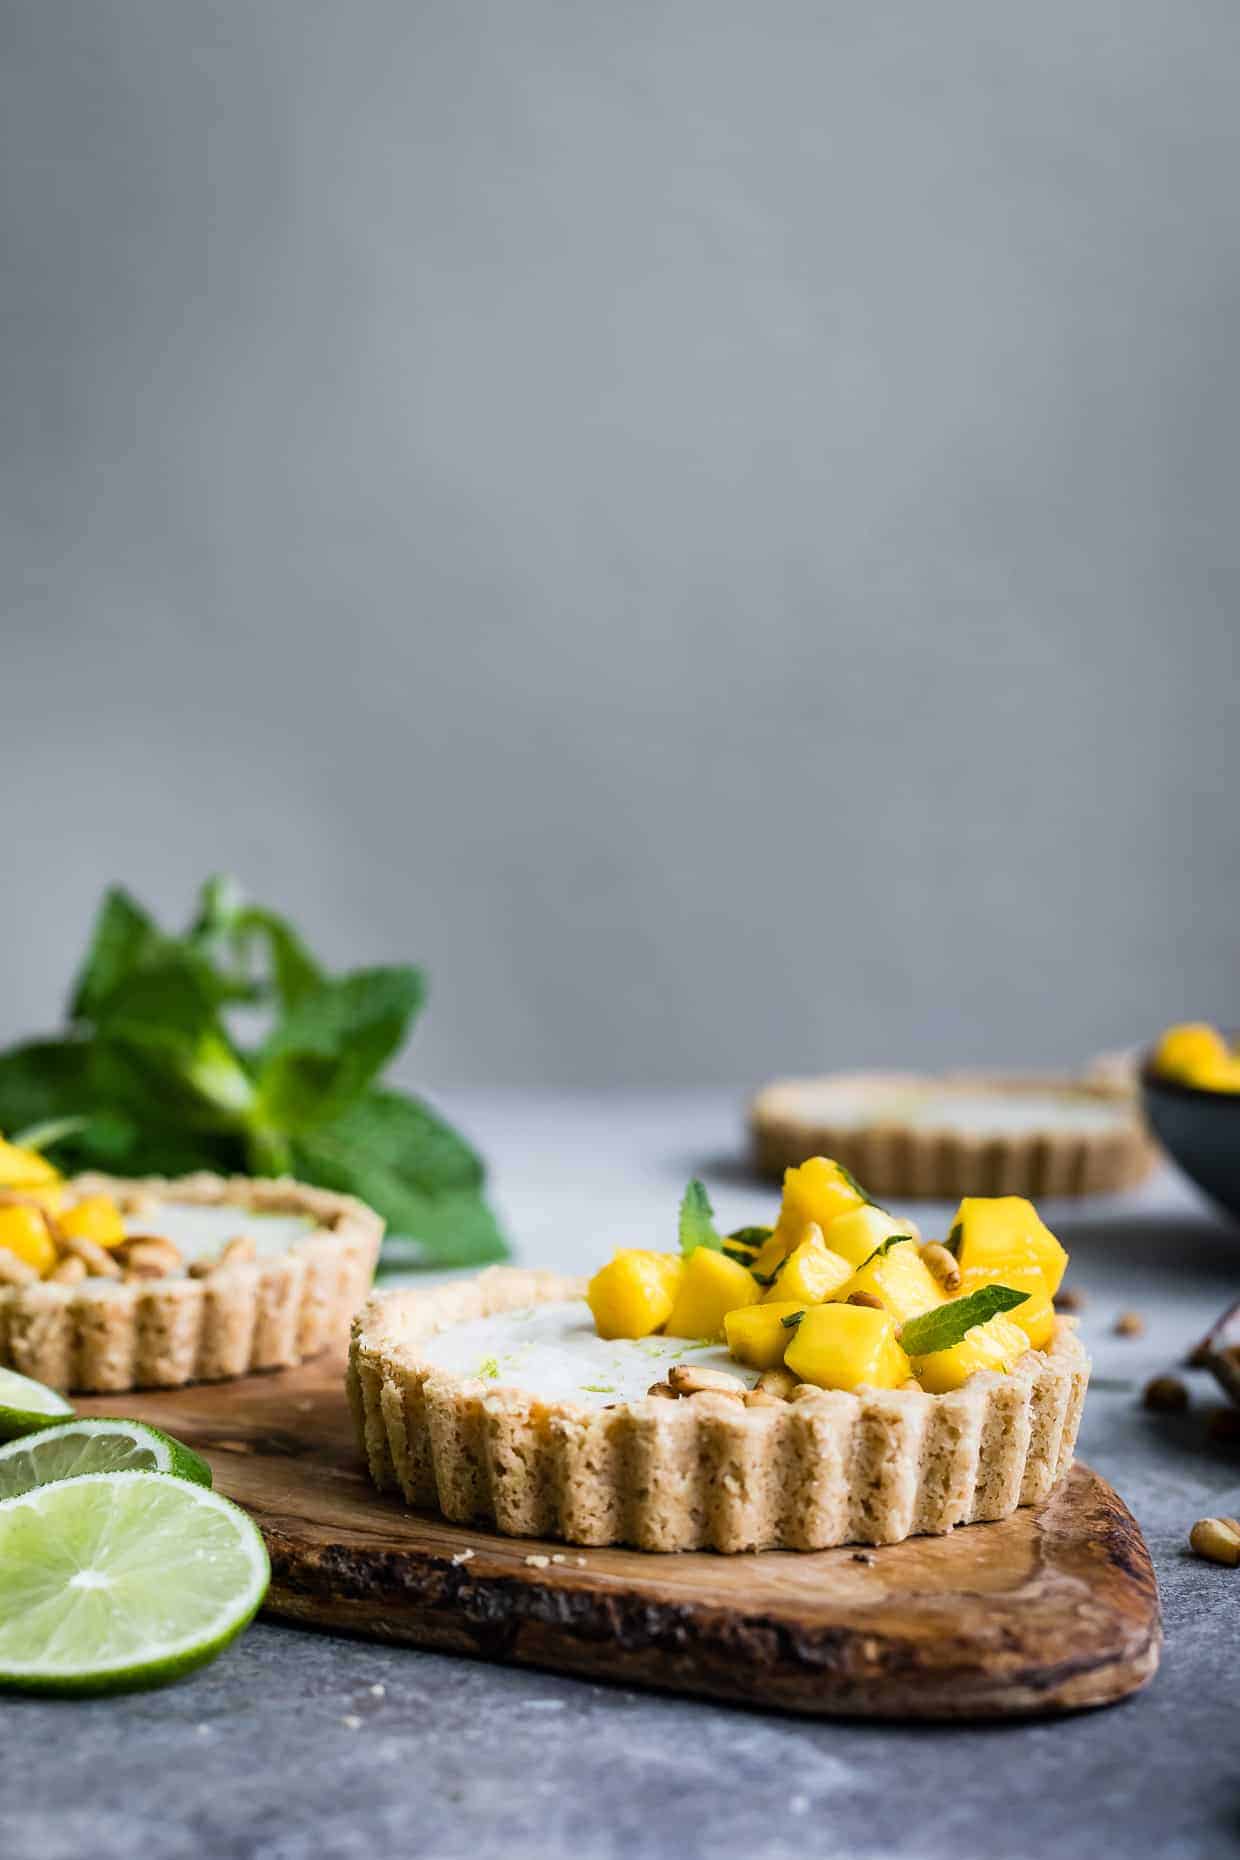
column 936, row 1137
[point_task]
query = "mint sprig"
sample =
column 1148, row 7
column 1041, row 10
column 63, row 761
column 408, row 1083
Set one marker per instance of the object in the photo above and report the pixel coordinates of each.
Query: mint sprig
column 884, row 1247
column 947, row 1325
column 696, row 1224
column 228, row 1047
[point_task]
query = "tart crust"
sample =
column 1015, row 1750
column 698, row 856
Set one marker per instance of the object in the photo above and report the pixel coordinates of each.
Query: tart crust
column 263, row 1314
column 922, row 1163
column 706, row 1472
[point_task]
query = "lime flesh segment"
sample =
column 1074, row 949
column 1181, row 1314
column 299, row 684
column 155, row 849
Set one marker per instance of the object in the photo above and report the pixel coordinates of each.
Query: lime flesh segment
column 67, row 1449
column 25, row 1405
column 116, row 1580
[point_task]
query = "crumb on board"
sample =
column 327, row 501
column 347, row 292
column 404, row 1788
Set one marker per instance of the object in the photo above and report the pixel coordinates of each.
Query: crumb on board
column 538, row 1562
column 463, row 1556
column 351, row 1722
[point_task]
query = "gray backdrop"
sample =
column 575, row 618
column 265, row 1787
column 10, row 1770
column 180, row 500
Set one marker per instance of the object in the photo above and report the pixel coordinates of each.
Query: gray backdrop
column 711, row 524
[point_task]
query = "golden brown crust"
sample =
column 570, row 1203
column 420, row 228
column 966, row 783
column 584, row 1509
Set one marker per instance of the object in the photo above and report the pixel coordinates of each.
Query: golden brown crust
column 921, row 1163
column 102, row 1335
column 704, row 1473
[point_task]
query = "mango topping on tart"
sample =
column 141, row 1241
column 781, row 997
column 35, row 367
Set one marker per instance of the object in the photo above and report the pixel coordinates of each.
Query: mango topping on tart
column 1196, row 1053
column 840, row 1293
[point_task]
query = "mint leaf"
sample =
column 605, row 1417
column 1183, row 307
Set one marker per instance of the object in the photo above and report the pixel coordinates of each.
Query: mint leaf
column 257, row 954
column 42, row 1080
column 751, row 1236
column 404, row 1134
column 947, row 1324
column 697, row 1221
column 124, row 938
column 792, row 1320
column 444, row 1213
column 165, row 1019
column 51, row 1131
column 326, row 1050
column 884, row 1247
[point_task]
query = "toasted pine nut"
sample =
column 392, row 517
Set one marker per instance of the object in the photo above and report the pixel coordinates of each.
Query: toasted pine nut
column 1067, row 1298
column 687, row 1380
column 148, row 1256
column 867, row 1299
column 762, row 1398
column 663, row 1391
column 1214, row 1539
column 1129, row 1324
column 97, row 1260
column 15, row 1271
column 70, row 1271
column 806, row 1391
column 779, row 1382
column 942, row 1265
column 137, row 1201
column 239, row 1251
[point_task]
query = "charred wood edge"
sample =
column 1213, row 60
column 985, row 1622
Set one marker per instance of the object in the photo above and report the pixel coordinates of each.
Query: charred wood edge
column 418, row 1588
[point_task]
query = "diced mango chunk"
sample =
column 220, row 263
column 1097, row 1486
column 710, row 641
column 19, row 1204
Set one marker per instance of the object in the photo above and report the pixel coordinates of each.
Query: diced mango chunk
column 1036, row 1317
column 633, row 1293
column 771, row 1253
column 23, row 1168
column 757, row 1334
column 810, row 1274
column 24, row 1231
column 898, row 1277
column 855, row 1235
column 818, row 1191
column 710, row 1286
column 1005, row 1232
column 1191, row 1050
column 998, row 1345
column 95, row 1217
column 845, row 1346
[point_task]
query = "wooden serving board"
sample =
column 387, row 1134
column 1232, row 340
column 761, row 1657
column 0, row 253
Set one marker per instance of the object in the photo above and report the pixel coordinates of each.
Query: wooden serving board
column 1050, row 1610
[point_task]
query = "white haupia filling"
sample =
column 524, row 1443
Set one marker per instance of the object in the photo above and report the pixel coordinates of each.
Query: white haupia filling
column 965, row 1113
column 202, row 1231
column 553, row 1351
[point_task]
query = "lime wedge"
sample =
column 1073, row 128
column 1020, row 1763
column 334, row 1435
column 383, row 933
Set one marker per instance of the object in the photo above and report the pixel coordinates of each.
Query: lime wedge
column 66, row 1449
column 116, row 1580
column 25, row 1405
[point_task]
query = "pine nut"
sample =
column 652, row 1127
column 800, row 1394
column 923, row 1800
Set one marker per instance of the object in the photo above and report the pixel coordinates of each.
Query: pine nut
column 942, row 1265
column 1214, row 1539
column 15, row 1271
column 70, row 1271
column 780, row 1382
column 685, row 1379
column 97, row 1260
column 867, row 1300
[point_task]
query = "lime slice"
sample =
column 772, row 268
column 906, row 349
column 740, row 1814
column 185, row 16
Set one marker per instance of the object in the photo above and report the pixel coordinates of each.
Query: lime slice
column 67, row 1449
column 116, row 1580
column 25, row 1405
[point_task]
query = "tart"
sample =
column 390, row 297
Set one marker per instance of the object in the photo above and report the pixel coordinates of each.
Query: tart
column 553, row 1406
column 109, row 1284
column 934, row 1138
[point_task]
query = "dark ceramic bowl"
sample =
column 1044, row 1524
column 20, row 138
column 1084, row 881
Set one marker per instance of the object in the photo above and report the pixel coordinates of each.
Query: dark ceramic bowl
column 1200, row 1130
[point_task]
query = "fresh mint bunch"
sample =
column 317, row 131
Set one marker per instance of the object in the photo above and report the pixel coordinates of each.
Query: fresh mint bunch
column 228, row 1047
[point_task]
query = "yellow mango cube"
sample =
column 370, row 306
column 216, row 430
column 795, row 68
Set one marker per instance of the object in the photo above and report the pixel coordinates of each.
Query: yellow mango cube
column 855, row 1235
column 1036, row 1317
column 710, row 1286
column 1005, row 1232
column 1189, row 1051
column 24, row 1231
column 757, row 1334
column 810, row 1274
column 770, row 1254
column 846, row 1347
column 22, row 1168
column 997, row 1345
column 633, row 1293
column 818, row 1191
column 900, row 1278
column 95, row 1217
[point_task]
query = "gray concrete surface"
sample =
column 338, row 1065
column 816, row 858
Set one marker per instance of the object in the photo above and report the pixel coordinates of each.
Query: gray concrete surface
column 259, row 1755
column 710, row 524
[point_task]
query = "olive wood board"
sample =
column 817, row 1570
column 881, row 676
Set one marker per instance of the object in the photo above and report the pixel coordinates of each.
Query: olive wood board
column 1051, row 1610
